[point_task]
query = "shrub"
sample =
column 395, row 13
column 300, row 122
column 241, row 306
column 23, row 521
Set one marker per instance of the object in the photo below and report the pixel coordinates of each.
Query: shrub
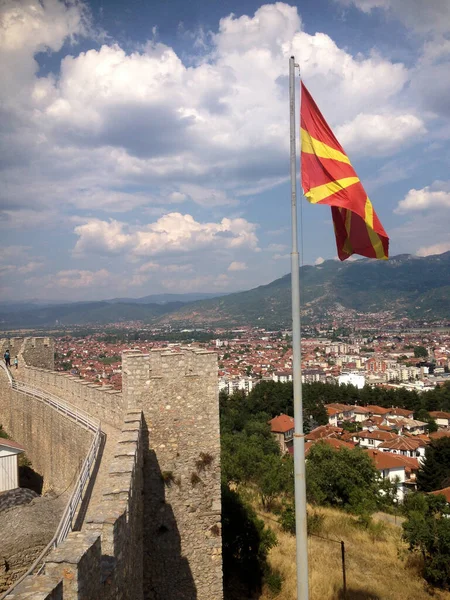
column 273, row 580
column 168, row 478
column 315, row 523
column 205, row 460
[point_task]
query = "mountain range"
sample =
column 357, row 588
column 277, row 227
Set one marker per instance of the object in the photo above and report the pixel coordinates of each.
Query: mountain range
column 405, row 285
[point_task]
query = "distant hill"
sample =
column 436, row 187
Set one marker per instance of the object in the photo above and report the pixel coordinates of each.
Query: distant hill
column 84, row 313
column 406, row 285
column 165, row 298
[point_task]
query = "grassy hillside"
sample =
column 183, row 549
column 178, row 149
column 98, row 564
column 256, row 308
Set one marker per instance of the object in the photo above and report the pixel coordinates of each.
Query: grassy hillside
column 378, row 565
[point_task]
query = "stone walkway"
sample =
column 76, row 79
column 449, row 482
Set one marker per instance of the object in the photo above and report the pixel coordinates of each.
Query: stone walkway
column 101, row 478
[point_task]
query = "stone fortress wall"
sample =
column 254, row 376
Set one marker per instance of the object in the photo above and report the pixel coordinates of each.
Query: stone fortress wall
column 55, row 445
column 157, row 531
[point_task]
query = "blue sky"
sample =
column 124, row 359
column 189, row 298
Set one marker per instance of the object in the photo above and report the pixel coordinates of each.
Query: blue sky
column 145, row 145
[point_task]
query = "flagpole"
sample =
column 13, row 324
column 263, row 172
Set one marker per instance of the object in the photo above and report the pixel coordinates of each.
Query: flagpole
column 299, row 438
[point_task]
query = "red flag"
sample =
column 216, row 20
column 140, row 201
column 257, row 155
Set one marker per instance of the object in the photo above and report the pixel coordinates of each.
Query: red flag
column 329, row 178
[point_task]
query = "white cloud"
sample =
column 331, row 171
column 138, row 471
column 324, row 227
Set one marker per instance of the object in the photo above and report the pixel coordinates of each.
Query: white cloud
column 172, row 233
column 101, row 236
column 427, row 198
column 112, row 123
column 319, row 260
column 434, row 249
column 372, row 134
column 73, row 279
column 237, row 266
column 422, row 15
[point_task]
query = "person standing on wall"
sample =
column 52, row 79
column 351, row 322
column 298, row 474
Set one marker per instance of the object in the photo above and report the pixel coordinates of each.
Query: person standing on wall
column 7, row 358
column 16, row 362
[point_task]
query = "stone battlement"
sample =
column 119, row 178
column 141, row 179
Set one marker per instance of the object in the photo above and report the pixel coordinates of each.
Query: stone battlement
column 156, row 532
column 105, row 559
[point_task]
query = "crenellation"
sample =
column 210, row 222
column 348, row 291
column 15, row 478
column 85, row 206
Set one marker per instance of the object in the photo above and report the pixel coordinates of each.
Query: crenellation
column 157, row 528
column 77, row 562
column 180, row 404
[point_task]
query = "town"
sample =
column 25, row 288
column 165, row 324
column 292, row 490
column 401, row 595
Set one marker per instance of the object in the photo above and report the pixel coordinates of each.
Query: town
column 415, row 361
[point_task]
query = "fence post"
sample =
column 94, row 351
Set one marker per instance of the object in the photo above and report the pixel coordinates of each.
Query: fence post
column 344, row 578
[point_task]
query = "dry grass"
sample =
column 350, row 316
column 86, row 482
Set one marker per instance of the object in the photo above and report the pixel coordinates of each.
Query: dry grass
column 377, row 569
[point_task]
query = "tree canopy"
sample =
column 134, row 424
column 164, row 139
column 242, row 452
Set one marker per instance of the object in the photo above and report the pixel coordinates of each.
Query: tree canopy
column 344, row 478
column 434, row 473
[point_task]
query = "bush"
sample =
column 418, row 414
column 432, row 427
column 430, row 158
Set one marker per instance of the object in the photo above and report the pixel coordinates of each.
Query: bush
column 315, row 523
column 273, row 580
column 287, row 519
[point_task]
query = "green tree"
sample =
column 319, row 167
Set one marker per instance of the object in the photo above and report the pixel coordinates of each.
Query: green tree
column 424, row 415
column 434, row 473
column 420, row 352
column 344, row 478
column 427, row 531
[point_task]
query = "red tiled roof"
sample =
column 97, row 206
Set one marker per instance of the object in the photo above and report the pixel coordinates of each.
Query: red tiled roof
column 439, row 414
column 403, row 443
column 386, row 460
column 324, row 431
column 377, row 410
column 281, row 424
column 401, row 412
column 445, row 492
column 439, row 434
column 377, row 434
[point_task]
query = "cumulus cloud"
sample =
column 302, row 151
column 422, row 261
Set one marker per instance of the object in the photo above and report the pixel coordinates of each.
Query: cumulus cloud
column 111, row 123
column 172, row 233
column 434, row 249
column 237, row 266
column 319, row 260
column 383, row 134
column 429, row 197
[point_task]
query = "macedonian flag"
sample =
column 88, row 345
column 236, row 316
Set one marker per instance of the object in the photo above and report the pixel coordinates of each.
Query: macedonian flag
column 329, row 178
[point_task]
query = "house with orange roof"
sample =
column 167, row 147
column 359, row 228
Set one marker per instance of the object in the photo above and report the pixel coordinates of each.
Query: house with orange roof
column 322, row 432
column 400, row 470
column 372, row 439
column 405, row 446
column 442, row 418
column 282, row 428
column 444, row 492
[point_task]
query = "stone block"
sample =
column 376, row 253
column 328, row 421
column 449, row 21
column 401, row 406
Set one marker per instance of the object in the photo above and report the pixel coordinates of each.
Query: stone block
column 77, row 562
column 37, row 588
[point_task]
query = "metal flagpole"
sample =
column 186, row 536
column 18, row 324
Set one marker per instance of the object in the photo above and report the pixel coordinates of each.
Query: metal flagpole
column 299, row 438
